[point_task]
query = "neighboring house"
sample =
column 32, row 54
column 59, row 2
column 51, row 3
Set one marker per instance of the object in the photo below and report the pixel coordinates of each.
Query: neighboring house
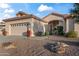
column 2, row 26
column 18, row 25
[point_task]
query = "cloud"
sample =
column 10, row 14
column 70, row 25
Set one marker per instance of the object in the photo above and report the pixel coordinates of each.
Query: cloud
column 43, row 7
column 9, row 10
column 38, row 14
column 6, row 11
column 4, row 5
column 7, row 16
column 4, row 17
column 20, row 9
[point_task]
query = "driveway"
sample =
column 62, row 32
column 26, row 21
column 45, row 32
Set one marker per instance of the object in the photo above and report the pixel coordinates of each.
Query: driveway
column 53, row 37
column 10, row 38
column 34, row 46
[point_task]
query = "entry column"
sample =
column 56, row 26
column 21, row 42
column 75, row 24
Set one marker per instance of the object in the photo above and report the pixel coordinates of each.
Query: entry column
column 66, row 25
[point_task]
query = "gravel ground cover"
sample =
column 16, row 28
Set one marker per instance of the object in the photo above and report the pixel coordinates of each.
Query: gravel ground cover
column 35, row 46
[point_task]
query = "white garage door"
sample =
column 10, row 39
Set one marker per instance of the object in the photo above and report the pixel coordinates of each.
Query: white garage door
column 18, row 29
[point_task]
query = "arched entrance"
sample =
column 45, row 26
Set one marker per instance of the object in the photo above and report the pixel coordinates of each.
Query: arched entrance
column 53, row 26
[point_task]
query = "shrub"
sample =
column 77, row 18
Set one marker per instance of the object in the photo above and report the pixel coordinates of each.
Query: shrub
column 51, row 33
column 71, row 34
column 60, row 30
column 55, row 31
column 46, row 33
column 39, row 33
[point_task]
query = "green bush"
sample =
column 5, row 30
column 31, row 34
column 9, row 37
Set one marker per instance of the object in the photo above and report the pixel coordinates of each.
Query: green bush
column 40, row 34
column 71, row 34
column 60, row 30
column 46, row 33
column 51, row 33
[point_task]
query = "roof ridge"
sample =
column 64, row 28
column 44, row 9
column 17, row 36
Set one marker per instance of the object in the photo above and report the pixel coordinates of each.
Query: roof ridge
column 58, row 14
column 22, row 17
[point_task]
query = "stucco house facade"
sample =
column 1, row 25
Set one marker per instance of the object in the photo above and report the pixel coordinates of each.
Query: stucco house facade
column 56, row 19
column 18, row 25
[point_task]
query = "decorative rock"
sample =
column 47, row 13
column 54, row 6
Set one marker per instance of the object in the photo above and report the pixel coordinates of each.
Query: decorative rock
column 8, row 45
column 61, row 50
column 65, row 45
column 57, row 47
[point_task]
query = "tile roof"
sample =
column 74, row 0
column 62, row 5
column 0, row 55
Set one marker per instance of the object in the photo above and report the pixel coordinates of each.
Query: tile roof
column 21, row 17
column 58, row 14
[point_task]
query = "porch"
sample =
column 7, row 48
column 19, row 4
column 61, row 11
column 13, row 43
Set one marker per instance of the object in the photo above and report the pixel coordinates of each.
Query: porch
column 54, row 25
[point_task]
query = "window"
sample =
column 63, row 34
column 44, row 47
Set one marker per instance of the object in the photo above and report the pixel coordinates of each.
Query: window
column 21, row 24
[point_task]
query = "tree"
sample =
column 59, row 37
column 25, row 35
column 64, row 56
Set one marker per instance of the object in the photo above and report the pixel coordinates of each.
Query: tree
column 75, row 12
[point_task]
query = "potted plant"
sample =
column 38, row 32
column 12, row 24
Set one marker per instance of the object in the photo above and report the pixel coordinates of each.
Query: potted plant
column 29, row 33
column 4, row 32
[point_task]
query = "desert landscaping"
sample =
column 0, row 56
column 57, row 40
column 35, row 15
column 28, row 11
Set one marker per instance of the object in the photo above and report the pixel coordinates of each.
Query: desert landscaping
column 38, row 46
column 44, row 30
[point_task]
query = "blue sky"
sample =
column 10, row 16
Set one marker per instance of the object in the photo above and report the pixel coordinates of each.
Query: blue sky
column 38, row 9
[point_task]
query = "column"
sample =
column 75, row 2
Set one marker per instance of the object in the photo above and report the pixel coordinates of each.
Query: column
column 9, row 29
column 64, row 25
column 67, row 25
column 44, row 30
column 32, row 29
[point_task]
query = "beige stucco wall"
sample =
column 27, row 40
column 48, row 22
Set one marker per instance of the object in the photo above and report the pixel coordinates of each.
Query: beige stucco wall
column 76, row 28
column 55, row 17
column 68, row 25
column 36, row 26
column 16, row 30
column 71, row 24
column 52, row 17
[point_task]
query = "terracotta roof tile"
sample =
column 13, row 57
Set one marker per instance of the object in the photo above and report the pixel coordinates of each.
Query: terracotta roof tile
column 58, row 14
column 22, row 17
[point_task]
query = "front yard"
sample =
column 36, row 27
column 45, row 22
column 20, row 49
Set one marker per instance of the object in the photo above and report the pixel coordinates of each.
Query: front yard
column 23, row 46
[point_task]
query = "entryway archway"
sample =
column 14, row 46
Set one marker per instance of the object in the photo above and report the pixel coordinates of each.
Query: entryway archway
column 53, row 26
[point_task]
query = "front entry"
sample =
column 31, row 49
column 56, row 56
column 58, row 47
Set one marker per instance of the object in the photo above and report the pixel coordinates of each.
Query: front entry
column 55, row 26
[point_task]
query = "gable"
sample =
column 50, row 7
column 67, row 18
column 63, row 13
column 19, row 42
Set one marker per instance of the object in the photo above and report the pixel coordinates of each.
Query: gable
column 52, row 17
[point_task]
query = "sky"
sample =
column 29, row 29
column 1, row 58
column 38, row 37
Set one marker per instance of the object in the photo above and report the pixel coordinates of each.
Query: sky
column 8, row 10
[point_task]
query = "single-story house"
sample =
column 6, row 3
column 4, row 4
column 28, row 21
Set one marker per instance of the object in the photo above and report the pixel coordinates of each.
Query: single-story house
column 18, row 25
